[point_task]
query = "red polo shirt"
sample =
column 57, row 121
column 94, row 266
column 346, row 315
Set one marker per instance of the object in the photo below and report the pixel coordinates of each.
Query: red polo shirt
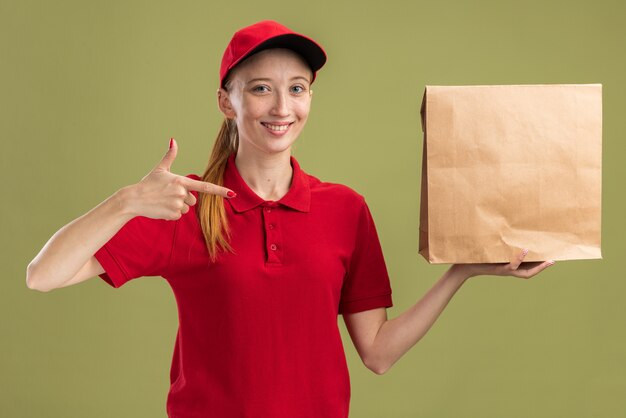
column 258, row 334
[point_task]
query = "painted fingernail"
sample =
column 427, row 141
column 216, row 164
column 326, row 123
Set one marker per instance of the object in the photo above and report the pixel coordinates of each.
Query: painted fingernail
column 231, row 193
column 171, row 142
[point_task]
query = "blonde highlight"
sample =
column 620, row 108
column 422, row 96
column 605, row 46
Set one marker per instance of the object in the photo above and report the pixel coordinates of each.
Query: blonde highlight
column 210, row 208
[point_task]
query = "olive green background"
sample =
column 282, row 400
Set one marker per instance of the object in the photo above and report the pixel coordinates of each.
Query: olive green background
column 92, row 91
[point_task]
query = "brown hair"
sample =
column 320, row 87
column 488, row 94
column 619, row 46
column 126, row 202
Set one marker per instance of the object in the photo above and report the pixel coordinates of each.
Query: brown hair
column 210, row 207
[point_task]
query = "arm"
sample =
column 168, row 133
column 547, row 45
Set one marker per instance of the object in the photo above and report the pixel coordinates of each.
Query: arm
column 381, row 342
column 68, row 257
column 70, row 250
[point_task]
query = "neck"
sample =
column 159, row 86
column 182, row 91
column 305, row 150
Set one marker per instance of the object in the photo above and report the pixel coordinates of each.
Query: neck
column 269, row 176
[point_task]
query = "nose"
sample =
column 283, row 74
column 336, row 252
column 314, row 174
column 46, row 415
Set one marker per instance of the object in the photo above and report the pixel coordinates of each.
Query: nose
column 281, row 104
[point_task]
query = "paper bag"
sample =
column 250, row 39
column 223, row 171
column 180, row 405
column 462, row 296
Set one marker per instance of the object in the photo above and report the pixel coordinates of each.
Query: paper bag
column 511, row 167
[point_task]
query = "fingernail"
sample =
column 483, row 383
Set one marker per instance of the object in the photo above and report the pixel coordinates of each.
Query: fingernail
column 525, row 251
column 551, row 262
column 171, row 142
column 231, row 193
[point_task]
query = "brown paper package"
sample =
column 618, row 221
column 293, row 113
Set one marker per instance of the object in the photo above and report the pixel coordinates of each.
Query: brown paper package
column 507, row 167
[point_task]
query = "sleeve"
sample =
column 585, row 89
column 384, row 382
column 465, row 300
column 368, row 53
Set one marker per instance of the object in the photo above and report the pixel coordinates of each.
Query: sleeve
column 366, row 285
column 142, row 247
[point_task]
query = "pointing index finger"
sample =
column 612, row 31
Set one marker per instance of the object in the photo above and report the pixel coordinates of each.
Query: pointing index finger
column 205, row 187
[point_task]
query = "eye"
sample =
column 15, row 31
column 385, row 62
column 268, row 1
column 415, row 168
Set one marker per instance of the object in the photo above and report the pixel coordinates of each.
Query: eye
column 261, row 88
column 298, row 89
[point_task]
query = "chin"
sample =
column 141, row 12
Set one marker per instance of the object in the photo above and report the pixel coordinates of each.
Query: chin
column 269, row 145
column 279, row 150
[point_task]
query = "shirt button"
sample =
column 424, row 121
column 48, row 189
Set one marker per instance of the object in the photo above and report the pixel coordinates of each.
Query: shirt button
column 271, row 226
column 268, row 209
column 273, row 247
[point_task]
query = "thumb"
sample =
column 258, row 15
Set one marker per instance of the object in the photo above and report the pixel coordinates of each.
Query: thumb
column 169, row 157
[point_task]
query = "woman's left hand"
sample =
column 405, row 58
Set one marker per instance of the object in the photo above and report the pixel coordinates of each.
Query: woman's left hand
column 516, row 268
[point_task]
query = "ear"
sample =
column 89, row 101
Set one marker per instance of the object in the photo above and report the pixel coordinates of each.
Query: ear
column 223, row 102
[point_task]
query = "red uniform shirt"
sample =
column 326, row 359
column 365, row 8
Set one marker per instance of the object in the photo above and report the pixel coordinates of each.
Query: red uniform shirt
column 258, row 334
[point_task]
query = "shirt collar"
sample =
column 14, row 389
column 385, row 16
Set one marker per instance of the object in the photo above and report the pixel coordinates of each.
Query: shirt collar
column 298, row 197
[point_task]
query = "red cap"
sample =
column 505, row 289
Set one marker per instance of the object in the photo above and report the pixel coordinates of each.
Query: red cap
column 269, row 34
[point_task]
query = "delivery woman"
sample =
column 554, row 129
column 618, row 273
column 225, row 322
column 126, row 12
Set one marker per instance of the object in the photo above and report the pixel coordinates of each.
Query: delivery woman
column 267, row 259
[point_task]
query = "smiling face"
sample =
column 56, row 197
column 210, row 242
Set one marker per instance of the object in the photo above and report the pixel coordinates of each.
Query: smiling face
column 269, row 97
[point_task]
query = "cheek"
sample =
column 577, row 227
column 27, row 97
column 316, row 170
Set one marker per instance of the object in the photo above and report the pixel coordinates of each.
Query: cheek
column 252, row 110
column 302, row 109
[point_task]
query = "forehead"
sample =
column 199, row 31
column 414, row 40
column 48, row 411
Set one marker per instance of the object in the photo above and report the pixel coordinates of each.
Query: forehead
column 272, row 61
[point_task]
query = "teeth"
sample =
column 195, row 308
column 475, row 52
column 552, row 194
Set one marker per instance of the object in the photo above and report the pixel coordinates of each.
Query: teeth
column 276, row 127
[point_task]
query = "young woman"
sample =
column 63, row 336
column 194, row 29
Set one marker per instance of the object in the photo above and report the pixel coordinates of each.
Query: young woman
column 266, row 261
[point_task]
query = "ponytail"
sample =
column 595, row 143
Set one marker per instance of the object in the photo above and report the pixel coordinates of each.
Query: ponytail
column 211, row 211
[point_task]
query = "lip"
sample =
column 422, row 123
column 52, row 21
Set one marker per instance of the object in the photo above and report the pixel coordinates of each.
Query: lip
column 277, row 133
column 277, row 123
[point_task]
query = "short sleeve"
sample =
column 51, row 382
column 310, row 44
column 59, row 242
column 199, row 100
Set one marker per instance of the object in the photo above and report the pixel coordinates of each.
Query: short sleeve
column 366, row 285
column 142, row 247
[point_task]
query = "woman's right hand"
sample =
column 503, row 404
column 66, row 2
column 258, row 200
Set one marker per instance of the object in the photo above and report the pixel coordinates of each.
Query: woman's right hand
column 164, row 195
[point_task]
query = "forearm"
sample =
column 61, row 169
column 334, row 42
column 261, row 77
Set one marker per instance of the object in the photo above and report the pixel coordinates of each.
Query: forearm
column 75, row 243
column 396, row 336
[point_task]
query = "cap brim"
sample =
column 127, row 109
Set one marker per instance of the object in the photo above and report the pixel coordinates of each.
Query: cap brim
column 313, row 54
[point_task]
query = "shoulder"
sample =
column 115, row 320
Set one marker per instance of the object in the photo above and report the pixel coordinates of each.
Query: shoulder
column 340, row 195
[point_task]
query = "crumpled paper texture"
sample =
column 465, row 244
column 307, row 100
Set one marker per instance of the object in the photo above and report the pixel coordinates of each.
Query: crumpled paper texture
column 507, row 167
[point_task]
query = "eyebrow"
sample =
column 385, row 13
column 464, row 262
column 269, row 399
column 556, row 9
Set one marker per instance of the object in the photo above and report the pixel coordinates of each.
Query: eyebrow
column 269, row 80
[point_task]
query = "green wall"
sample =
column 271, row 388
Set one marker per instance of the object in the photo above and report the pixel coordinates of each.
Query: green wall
column 91, row 92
